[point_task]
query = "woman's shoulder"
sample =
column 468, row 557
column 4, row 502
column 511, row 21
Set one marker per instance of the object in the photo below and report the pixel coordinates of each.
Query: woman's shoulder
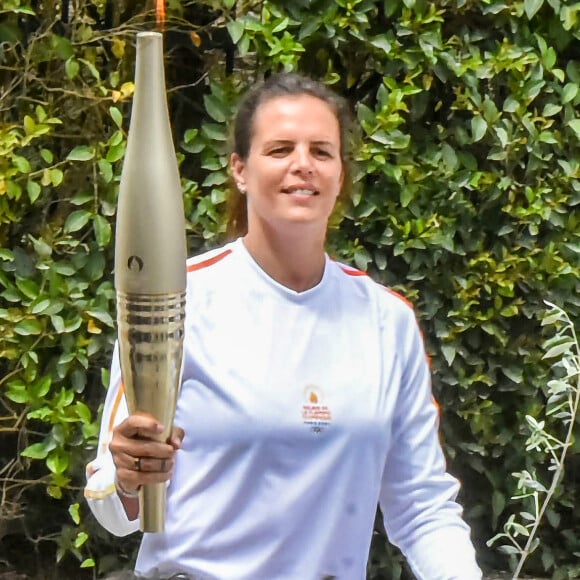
column 384, row 295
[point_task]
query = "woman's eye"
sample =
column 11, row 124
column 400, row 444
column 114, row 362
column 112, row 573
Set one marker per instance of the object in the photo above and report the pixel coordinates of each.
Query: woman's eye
column 279, row 151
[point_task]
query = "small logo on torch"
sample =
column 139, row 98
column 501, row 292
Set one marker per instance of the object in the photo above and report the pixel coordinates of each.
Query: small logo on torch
column 135, row 264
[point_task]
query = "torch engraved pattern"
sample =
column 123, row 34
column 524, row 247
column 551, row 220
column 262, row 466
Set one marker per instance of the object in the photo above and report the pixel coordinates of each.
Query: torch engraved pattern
column 150, row 262
column 151, row 345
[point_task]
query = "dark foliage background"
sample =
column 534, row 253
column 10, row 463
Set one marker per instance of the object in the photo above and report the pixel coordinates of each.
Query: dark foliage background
column 466, row 201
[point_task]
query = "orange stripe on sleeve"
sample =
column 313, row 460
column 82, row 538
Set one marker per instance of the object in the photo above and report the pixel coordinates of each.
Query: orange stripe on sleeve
column 352, row 271
column 436, row 405
column 118, row 399
column 400, row 297
column 208, row 262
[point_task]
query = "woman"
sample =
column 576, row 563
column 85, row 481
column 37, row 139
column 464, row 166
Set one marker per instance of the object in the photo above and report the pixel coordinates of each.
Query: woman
column 306, row 396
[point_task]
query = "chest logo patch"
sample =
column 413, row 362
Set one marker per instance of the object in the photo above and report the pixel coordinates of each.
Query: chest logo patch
column 315, row 413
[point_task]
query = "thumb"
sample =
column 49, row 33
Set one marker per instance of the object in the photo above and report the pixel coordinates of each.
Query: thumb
column 176, row 437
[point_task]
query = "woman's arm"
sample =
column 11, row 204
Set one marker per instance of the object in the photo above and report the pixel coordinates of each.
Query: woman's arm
column 418, row 495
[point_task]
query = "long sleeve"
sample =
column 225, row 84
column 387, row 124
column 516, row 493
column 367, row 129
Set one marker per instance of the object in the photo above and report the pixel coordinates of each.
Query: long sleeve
column 100, row 489
column 418, row 496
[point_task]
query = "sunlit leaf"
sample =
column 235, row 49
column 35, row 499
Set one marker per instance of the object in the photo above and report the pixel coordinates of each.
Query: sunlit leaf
column 77, row 220
column 81, row 153
column 235, row 29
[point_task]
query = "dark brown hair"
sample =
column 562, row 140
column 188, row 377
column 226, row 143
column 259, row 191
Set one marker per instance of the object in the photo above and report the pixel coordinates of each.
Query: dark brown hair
column 283, row 85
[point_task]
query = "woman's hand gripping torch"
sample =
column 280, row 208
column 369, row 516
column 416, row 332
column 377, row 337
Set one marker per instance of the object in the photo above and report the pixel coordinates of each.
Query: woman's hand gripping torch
column 150, row 268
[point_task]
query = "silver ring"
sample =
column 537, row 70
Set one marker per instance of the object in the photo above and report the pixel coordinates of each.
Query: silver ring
column 137, row 464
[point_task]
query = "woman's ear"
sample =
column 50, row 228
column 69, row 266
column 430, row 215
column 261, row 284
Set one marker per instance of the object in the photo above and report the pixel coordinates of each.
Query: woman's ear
column 237, row 167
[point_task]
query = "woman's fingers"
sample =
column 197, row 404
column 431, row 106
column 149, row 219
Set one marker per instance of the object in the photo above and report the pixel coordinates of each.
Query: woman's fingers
column 140, row 448
column 135, row 471
column 140, row 458
column 152, row 464
column 131, row 480
column 140, row 425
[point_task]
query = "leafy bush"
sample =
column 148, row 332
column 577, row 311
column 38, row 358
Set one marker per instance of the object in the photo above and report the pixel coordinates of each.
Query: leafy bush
column 468, row 187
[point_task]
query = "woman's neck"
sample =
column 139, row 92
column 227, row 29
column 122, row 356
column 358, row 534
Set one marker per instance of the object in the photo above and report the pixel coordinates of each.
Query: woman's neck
column 295, row 261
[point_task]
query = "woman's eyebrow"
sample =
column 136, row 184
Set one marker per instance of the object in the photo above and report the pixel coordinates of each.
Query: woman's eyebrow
column 290, row 141
column 324, row 143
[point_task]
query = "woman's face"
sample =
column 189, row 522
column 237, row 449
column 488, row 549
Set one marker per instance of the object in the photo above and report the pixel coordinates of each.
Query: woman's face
column 293, row 173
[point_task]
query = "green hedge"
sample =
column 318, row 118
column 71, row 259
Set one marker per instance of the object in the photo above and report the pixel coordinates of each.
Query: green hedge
column 467, row 199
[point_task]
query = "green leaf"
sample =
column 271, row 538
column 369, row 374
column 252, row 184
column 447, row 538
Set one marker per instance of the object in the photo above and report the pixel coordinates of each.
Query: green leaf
column 6, row 254
column 551, row 109
column 40, row 306
column 115, row 153
column 71, row 68
column 215, row 108
column 382, row 43
column 498, row 503
column 215, row 178
column 106, row 170
column 83, row 412
column 54, row 491
column 64, row 268
column 244, row 45
column 58, row 323
column 92, row 69
column 81, row 538
column 34, row 190
column 235, row 29
column 103, row 316
column 41, row 387
column 73, row 510
column 449, row 353
column 570, row 91
column 559, row 349
column 82, row 197
column 47, row 155
column 77, row 220
column 214, row 131
column 531, row 7
column 117, row 116
column 18, row 393
column 282, row 25
column 39, row 450
column 29, row 327
column 88, row 563
column 21, row 163
column 57, row 462
column 478, row 128
column 24, row 10
column 41, row 414
column 81, row 153
column 514, row 374
column 56, row 176
column 574, row 124
column 13, row 189
column 510, row 105
column 117, row 138
column 103, row 231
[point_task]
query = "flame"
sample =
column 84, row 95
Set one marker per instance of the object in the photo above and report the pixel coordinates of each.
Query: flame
column 313, row 398
column 160, row 13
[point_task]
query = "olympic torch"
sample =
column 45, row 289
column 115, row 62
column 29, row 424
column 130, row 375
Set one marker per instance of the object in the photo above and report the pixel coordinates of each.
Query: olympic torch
column 150, row 268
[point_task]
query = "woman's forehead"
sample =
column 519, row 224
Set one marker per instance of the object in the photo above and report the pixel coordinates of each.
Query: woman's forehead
column 305, row 114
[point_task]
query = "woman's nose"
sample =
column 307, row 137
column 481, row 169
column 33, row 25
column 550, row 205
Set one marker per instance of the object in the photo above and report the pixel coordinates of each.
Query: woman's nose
column 302, row 162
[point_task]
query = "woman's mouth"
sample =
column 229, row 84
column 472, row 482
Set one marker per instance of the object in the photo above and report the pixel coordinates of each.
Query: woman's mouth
column 300, row 191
